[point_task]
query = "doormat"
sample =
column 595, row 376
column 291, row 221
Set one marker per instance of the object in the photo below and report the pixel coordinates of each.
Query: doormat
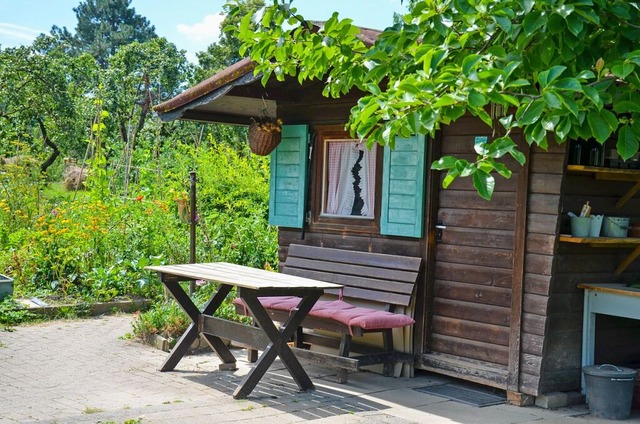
column 473, row 397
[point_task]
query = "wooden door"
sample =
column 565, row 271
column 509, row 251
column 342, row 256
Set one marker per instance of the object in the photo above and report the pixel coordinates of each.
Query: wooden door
column 470, row 326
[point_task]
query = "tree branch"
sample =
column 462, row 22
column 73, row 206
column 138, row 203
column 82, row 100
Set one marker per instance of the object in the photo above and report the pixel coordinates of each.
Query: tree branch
column 47, row 141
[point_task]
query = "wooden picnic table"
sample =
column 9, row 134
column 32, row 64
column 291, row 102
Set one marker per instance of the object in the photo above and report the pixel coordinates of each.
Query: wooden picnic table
column 250, row 283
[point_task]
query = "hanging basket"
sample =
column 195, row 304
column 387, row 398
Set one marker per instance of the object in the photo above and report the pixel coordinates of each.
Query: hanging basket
column 264, row 136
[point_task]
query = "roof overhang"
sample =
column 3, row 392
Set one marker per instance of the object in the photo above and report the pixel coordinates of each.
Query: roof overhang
column 236, row 94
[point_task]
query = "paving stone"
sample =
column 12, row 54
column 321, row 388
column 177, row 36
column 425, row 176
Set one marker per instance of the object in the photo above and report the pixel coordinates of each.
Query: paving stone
column 82, row 371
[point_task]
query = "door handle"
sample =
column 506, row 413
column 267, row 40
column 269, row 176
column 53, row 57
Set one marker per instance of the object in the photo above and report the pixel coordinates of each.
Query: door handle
column 439, row 227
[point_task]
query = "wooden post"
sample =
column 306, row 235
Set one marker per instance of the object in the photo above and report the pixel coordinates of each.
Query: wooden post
column 192, row 226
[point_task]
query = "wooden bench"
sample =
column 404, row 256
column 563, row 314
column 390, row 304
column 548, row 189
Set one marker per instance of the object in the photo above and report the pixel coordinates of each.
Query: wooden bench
column 373, row 286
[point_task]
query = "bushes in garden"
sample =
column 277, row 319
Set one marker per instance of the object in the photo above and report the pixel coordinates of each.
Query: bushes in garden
column 93, row 245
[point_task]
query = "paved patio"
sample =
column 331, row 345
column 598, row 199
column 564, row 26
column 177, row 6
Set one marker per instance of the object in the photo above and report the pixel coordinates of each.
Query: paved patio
column 86, row 371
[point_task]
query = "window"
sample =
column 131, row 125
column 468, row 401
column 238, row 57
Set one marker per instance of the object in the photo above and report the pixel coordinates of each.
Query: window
column 348, row 179
column 394, row 182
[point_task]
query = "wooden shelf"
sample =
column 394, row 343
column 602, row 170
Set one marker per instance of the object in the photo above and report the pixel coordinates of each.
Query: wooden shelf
column 628, row 242
column 611, row 174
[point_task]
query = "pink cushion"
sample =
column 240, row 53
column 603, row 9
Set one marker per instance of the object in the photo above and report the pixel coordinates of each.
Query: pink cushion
column 365, row 318
column 278, row 303
column 340, row 311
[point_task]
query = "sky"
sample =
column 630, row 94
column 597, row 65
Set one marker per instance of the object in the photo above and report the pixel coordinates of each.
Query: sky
column 190, row 24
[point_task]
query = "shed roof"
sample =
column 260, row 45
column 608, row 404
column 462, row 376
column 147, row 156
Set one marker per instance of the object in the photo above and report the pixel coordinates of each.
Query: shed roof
column 235, row 94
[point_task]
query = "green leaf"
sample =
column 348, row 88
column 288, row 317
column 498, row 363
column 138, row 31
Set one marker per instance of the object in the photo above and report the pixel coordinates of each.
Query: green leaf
column 586, row 75
column 555, row 72
column 502, row 169
column 565, row 10
column 575, row 24
column 627, row 144
column 598, row 125
column 504, row 23
column 499, row 147
column 477, row 99
column 622, row 70
column 552, row 99
column 611, row 119
column 549, row 123
column 527, row 5
column 533, row 21
column 446, row 100
column 563, row 128
column 484, row 184
column 626, row 106
column 518, row 156
column 469, row 62
column 445, row 162
column 450, row 177
column 593, row 95
column 497, row 51
column 530, row 113
column 569, row 84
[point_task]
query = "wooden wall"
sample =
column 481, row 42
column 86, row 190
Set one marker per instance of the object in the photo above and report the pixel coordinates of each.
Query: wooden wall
column 466, row 305
column 542, row 357
column 468, row 334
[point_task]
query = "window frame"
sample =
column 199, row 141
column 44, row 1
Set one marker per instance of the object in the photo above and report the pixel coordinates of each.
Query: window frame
column 329, row 222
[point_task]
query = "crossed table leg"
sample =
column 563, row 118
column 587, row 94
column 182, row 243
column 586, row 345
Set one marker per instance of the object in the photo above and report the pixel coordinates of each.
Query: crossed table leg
column 278, row 338
column 192, row 332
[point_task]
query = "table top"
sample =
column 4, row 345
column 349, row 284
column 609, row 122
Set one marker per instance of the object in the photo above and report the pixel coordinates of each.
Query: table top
column 241, row 276
column 611, row 288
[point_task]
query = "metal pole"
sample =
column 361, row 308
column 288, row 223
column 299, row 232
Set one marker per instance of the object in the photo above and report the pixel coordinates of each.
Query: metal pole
column 192, row 226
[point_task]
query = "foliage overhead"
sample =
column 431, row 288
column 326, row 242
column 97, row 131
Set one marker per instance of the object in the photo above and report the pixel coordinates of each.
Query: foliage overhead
column 104, row 26
column 561, row 69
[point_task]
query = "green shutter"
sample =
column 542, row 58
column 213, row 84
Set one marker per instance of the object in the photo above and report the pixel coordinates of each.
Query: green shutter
column 403, row 179
column 289, row 178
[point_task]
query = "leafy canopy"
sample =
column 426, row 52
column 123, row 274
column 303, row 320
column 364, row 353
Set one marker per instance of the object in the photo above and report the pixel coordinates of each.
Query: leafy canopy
column 561, row 69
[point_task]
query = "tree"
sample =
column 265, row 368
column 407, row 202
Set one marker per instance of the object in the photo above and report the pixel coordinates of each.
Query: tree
column 139, row 76
column 104, row 26
column 44, row 91
column 560, row 69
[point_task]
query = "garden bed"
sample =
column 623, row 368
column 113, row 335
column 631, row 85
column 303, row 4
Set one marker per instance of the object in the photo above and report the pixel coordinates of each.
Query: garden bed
column 53, row 307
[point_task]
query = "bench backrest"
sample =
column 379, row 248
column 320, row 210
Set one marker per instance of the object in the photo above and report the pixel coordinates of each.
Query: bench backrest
column 377, row 277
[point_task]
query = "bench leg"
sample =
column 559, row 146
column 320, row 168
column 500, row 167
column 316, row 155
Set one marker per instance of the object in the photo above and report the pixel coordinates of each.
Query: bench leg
column 345, row 348
column 387, row 343
column 298, row 338
column 252, row 354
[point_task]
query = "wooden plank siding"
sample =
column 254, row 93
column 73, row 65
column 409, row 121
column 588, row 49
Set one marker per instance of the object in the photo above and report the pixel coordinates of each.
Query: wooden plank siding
column 473, row 273
column 546, row 170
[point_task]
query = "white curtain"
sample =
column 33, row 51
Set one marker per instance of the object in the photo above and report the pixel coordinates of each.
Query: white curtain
column 341, row 157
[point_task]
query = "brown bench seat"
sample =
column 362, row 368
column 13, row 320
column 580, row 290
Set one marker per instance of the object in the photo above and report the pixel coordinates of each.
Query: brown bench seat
column 381, row 281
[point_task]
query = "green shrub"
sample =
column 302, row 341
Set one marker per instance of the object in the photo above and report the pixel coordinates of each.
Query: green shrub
column 93, row 246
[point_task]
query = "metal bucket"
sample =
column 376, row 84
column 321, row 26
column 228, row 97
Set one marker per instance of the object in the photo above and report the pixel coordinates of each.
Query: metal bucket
column 609, row 390
column 615, row 226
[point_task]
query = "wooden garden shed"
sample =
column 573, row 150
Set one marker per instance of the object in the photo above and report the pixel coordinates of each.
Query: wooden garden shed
column 499, row 302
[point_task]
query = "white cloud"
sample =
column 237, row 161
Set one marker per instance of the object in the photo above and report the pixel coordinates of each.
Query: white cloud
column 18, row 32
column 206, row 31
